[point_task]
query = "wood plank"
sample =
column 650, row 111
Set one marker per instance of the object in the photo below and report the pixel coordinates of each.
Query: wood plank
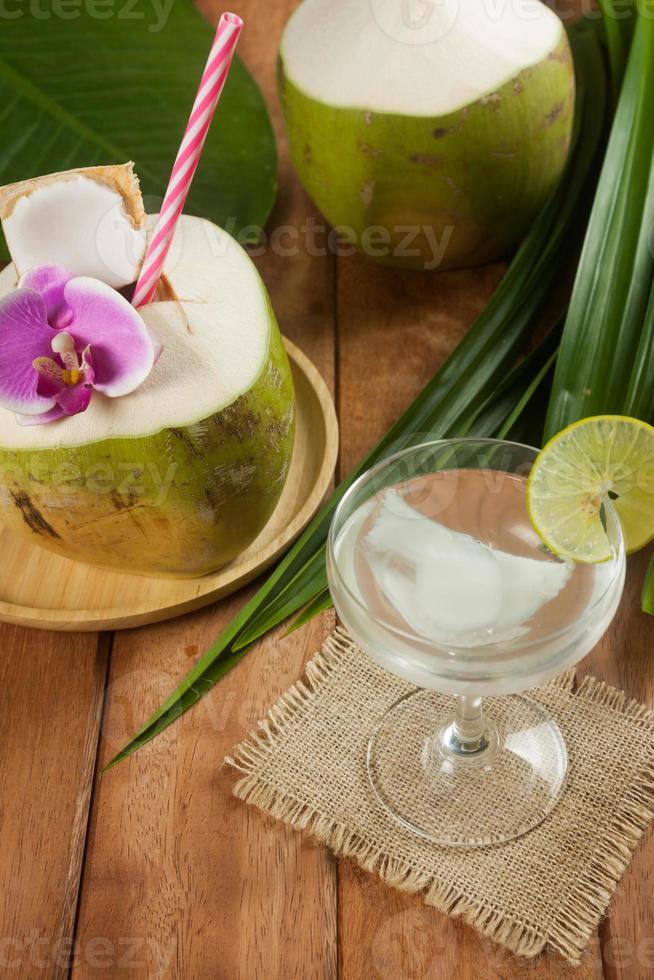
column 181, row 879
column 402, row 325
column 199, row 885
column 51, row 692
column 624, row 659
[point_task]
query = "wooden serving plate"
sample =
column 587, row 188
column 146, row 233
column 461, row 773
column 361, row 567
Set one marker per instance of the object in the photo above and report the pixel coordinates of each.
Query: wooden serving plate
column 41, row 589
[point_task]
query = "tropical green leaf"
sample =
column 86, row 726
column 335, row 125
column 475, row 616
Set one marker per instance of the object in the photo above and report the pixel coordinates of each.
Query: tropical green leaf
column 648, row 590
column 448, row 405
column 609, row 300
column 321, row 603
column 501, row 412
column 96, row 87
column 311, row 581
column 639, row 402
column 506, row 430
column 615, row 17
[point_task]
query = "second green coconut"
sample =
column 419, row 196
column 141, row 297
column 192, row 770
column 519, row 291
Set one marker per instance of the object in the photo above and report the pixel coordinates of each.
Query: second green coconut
column 430, row 137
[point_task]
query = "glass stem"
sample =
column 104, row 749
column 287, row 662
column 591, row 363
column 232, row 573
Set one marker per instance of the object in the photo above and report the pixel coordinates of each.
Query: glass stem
column 466, row 734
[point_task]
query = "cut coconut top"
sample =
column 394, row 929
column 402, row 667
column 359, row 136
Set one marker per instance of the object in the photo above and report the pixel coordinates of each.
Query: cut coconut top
column 215, row 343
column 414, row 59
column 90, row 221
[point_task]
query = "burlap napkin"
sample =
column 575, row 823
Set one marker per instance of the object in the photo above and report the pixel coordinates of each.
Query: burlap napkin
column 305, row 765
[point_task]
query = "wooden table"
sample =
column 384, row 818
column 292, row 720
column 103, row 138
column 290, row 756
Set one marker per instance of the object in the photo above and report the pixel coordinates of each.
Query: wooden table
column 154, row 870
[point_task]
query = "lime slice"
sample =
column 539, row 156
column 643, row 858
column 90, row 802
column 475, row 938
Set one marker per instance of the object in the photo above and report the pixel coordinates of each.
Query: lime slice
column 609, row 457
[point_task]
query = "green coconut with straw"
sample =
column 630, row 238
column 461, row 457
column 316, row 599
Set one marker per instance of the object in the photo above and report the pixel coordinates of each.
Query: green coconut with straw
column 153, row 436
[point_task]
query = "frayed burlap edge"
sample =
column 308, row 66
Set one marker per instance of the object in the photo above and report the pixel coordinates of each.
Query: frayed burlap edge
column 588, row 902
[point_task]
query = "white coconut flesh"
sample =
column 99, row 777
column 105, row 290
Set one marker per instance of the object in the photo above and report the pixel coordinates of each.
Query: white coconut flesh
column 215, row 340
column 413, row 58
column 78, row 221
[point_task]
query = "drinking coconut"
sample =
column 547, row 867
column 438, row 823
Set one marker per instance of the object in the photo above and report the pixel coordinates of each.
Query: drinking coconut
column 156, row 441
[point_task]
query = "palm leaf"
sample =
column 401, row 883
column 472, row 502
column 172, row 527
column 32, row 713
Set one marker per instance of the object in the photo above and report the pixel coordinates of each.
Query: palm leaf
column 321, row 603
column 648, row 590
column 91, row 91
column 602, row 331
column 545, row 370
column 616, row 19
column 639, row 402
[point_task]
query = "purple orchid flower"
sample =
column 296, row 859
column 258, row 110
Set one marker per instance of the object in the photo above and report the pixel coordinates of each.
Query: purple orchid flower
column 61, row 338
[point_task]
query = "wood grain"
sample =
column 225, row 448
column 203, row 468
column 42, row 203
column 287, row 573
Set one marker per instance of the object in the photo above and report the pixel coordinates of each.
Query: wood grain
column 43, row 589
column 624, row 658
column 51, row 692
column 201, row 886
column 179, row 874
column 387, row 935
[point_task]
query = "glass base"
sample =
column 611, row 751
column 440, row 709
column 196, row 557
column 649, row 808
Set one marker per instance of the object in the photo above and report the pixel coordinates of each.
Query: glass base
column 498, row 791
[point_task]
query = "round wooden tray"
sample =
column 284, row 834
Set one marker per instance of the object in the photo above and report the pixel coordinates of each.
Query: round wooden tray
column 43, row 590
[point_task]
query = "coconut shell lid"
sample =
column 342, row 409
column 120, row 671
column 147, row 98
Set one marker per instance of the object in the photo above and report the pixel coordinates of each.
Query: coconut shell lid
column 119, row 177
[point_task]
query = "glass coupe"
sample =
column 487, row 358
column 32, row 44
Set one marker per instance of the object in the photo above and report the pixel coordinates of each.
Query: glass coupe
column 436, row 571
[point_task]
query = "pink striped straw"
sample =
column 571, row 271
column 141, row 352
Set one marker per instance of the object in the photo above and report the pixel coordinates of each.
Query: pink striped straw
column 188, row 156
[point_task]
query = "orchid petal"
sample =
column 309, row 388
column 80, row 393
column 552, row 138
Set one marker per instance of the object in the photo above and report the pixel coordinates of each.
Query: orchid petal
column 25, row 335
column 49, row 281
column 75, row 398
column 72, row 397
column 123, row 352
column 55, row 413
column 53, row 312
column 50, row 377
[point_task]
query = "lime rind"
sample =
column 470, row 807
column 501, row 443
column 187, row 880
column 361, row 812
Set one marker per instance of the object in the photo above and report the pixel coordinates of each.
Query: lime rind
column 573, row 476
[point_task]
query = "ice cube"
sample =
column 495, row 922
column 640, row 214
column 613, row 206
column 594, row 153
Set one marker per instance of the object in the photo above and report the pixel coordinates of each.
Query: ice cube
column 527, row 584
column 447, row 585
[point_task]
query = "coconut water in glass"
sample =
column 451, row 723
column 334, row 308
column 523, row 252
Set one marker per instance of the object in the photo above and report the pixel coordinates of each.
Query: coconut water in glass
column 437, row 572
